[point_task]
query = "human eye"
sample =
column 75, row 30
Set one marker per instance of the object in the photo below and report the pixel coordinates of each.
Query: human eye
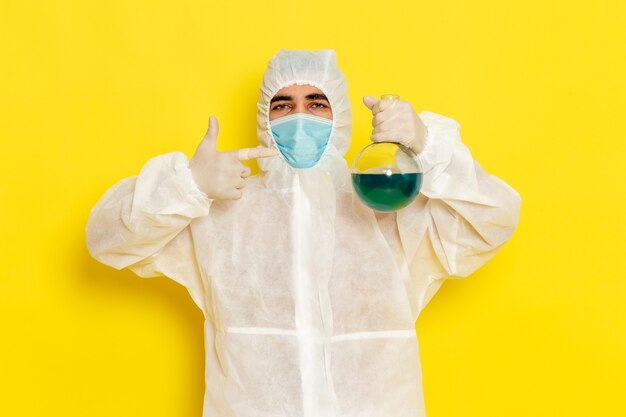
column 319, row 105
column 280, row 106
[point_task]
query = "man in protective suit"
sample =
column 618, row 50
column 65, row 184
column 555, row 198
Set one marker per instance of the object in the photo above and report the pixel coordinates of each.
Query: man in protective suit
column 310, row 297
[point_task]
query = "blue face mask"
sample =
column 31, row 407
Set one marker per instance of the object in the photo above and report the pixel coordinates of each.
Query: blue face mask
column 301, row 138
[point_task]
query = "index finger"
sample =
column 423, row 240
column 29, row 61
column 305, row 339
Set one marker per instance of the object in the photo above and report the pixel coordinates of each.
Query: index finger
column 383, row 105
column 247, row 154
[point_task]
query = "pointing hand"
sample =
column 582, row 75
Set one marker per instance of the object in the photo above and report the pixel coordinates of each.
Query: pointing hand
column 221, row 175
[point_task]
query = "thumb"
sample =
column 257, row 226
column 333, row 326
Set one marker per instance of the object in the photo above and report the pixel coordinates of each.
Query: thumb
column 369, row 101
column 211, row 134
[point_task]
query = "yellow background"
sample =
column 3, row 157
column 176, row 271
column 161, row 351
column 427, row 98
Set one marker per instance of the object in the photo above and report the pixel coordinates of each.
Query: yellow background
column 91, row 90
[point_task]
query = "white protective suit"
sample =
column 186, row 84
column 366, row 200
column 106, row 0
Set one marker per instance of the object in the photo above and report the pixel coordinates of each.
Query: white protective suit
column 310, row 297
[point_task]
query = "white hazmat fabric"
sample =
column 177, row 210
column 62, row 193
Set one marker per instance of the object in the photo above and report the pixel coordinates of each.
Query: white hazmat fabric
column 310, row 297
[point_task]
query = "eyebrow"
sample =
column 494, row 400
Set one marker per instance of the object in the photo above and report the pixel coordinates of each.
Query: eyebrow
column 314, row 96
column 281, row 98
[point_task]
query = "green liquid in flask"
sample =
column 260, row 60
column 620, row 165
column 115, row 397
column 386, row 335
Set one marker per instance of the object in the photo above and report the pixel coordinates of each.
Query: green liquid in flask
column 384, row 192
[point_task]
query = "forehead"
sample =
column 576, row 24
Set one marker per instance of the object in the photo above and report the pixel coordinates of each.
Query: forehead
column 298, row 91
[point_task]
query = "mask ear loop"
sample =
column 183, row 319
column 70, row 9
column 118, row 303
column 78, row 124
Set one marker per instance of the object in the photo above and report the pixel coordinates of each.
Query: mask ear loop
column 268, row 127
column 269, row 131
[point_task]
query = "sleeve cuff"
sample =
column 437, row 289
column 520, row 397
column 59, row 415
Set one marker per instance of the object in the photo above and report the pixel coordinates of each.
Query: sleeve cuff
column 166, row 186
column 442, row 134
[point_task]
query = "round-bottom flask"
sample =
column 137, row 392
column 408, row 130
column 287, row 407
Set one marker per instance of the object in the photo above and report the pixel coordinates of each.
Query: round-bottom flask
column 387, row 176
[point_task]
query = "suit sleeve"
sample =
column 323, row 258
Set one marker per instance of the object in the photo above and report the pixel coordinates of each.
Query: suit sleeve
column 463, row 215
column 142, row 223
